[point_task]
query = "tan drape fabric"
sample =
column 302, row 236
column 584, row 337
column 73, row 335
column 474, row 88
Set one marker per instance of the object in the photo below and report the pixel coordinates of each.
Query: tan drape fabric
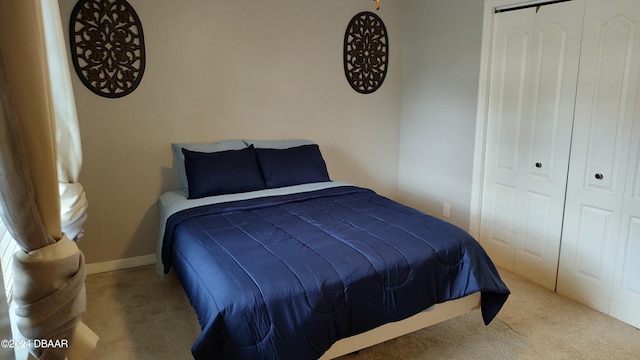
column 6, row 353
column 50, row 295
column 22, row 43
column 50, row 271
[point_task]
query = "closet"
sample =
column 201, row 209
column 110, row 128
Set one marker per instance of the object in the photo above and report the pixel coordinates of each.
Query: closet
column 560, row 197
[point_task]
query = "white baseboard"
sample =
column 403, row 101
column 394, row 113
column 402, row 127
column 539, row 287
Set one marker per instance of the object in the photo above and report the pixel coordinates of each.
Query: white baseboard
column 121, row 264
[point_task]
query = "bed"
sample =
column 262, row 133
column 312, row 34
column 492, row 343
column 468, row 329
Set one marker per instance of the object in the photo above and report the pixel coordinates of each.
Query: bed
column 280, row 262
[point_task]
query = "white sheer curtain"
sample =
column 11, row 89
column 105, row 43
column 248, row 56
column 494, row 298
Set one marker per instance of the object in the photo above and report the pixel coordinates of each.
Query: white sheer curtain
column 73, row 202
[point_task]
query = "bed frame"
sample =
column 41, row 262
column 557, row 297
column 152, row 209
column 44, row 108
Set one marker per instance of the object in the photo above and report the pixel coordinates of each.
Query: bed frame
column 436, row 314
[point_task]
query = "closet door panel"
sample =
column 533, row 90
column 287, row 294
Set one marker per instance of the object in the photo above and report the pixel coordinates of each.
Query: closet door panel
column 595, row 224
column 510, row 52
column 605, row 110
column 531, row 102
column 546, row 133
column 507, row 109
column 630, row 281
column 546, row 112
column 499, row 236
column 604, row 113
column 532, row 260
column 625, row 297
column 535, row 225
column 626, row 291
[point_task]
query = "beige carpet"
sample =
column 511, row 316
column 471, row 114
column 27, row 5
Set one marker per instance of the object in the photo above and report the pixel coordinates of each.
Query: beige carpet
column 138, row 315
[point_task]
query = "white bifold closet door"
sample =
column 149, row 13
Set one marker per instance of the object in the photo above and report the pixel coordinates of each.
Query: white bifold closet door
column 601, row 237
column 535, row 61
column 625, row 295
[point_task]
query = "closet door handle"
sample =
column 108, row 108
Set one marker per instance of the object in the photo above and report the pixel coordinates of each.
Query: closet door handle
column 538, row 165
column 599, row 176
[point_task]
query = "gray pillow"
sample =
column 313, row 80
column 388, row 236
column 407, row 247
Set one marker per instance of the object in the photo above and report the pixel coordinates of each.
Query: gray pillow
column 277, row 144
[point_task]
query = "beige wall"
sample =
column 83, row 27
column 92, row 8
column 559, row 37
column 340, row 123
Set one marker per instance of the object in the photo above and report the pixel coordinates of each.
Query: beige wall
column 441, row 69
column 232, row 69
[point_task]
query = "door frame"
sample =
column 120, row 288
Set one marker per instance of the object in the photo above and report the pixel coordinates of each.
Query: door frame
column 477, row 181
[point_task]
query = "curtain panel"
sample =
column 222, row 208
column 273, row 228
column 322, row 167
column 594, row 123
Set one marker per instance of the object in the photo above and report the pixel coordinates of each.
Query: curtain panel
column 5, row 325
column 73, row 202
column 37, row 126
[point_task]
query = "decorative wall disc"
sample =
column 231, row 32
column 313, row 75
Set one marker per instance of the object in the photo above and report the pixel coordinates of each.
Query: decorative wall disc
column 107, row 46
column 366, row 52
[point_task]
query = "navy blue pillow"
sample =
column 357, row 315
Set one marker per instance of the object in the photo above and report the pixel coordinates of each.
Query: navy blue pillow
column 223, row 172
column 296, row 165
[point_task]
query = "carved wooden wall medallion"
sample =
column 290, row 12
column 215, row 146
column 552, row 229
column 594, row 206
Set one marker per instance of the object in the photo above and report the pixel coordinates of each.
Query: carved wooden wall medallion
column 366, row 52
column 107, row 46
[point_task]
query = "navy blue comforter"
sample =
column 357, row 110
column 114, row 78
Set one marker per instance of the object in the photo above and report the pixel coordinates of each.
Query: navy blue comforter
column 285, row 277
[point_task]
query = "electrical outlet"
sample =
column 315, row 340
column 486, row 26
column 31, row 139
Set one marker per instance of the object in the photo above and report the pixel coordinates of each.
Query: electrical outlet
column 446, row 210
